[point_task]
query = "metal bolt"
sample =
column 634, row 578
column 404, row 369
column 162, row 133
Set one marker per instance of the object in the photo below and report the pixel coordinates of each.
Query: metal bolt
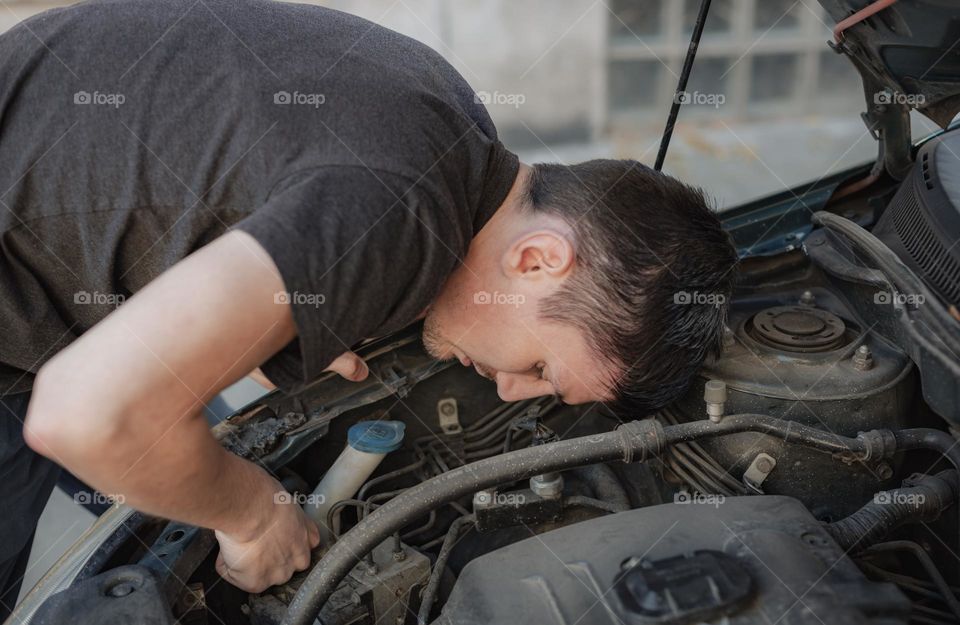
column 863, row 359
column 547, row 485
column 807, row 298
column 764, row 464
column 121, row 590
column 884, row 471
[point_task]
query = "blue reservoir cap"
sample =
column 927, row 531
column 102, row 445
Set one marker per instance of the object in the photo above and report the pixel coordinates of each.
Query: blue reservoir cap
column 376, row 437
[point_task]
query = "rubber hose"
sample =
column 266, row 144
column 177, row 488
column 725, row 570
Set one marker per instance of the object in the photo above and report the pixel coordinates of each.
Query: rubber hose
column 928, row 438
column 433, row 586
column 604, row 483
column 891, row 509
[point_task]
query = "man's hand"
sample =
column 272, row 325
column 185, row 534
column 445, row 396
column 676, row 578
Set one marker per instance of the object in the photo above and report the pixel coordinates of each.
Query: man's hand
column 347, row 364
column 272, row 552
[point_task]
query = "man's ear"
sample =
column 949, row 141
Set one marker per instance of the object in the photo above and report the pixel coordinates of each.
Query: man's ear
column 542, row 254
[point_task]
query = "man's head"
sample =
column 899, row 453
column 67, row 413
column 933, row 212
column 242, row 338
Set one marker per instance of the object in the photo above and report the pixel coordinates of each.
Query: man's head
column 603, row 281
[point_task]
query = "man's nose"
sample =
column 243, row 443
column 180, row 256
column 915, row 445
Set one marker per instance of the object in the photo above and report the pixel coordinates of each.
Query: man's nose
column 517, row 386
column 506, row 388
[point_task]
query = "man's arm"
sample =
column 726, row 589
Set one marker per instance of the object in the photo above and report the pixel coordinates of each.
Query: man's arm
column 121, row 407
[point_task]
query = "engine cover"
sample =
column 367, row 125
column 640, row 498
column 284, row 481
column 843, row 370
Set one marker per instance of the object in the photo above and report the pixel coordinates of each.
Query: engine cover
column 751, row 560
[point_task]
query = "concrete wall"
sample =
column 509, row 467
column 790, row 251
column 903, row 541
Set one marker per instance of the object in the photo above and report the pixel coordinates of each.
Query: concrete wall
column 540, row 61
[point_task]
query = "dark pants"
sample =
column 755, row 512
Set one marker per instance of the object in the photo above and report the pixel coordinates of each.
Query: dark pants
column 26, row 481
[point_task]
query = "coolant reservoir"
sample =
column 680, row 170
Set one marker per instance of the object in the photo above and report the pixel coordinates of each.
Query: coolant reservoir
column 368, row 442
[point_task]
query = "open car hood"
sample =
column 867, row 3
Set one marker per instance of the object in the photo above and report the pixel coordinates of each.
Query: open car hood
column 911, row 48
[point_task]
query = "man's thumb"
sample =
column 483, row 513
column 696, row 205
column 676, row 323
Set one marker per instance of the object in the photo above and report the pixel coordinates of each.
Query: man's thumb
column 350, row 366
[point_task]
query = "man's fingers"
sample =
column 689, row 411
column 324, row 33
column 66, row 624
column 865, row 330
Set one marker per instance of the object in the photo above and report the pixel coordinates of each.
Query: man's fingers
column 350, row 366
column 301, row 562
column 271, row 557
column 239, row 579
column 224, row 571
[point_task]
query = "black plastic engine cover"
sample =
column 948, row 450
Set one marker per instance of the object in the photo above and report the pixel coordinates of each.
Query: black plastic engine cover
column 922, row 222
column 691, row 586
column 775, row 564
column 127, row 595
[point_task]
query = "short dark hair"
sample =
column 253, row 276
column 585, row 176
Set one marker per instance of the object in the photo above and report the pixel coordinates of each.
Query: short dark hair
column 653, row 274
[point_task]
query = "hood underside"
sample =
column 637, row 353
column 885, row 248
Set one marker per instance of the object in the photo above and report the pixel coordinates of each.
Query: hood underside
column 911, row 47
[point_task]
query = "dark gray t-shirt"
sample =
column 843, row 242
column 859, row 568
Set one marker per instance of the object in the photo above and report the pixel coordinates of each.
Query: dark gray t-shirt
column 134, row 132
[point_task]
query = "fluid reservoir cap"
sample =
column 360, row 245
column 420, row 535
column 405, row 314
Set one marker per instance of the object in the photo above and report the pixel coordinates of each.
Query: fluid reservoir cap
column 376, row 437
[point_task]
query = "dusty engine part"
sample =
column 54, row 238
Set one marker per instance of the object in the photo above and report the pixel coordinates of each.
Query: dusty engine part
column 798, row 329
column 495, row 510
column 803, row 364
column 745, row 557
column 383, row 588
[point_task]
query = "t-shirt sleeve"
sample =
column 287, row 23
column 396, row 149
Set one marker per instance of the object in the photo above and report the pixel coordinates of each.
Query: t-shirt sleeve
column 361, row 254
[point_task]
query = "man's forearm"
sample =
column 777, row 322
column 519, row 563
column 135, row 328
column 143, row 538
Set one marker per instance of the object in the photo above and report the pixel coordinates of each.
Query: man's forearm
column 182, row 474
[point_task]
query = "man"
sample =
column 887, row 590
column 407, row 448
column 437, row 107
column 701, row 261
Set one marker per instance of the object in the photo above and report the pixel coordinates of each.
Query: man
column 266, row 185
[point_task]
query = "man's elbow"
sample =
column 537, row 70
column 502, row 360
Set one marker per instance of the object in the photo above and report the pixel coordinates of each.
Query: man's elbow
column 63, row 424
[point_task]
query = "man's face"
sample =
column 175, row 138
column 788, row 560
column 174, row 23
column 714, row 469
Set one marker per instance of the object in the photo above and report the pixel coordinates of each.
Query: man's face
column 500, row 334
column 486, row 314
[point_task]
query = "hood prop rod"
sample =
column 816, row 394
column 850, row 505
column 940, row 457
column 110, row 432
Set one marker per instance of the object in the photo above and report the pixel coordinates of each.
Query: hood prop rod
column 678, row 95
